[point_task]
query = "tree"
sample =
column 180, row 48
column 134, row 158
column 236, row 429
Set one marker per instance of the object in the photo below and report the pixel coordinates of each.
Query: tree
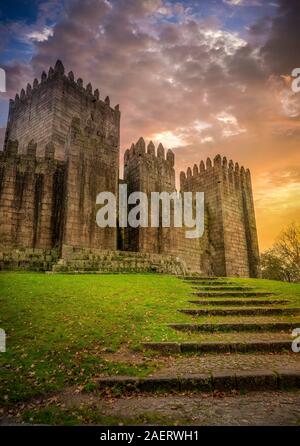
column 271, row 266
column 282, row 261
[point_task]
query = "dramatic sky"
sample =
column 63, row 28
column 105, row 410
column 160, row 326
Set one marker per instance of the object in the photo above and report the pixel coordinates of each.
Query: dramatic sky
column 203, row 77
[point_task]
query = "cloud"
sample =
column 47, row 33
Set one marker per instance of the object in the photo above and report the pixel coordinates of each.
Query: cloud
column 230, row 125
column 234, row 2
column 169, row 139
column 281, row 177
column 40, row 36
column 158, row 71
column 281, row 50
column 167, row 68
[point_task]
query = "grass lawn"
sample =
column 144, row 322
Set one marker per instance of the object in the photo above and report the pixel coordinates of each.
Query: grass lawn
column 59, row 327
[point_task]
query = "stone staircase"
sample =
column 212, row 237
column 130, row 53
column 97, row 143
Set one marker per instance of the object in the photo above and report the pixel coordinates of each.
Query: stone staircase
column 240, row 338
column 223, row 294
column 79, row 260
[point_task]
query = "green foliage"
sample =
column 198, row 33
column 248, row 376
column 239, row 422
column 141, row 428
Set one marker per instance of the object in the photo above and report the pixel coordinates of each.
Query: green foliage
column 272, row 266
column 60, row 327
column 282, row 261
column 72, row 416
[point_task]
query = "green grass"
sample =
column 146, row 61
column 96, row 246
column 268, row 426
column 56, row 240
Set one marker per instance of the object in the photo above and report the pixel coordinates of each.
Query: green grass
column 59, row 326
column 72, row 416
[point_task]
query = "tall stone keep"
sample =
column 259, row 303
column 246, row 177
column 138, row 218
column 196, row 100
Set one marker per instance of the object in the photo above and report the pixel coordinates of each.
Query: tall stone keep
column 61, row 149
column 44, row 112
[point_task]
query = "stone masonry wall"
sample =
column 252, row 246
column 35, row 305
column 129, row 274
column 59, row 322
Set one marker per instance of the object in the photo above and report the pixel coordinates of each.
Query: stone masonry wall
column 149, row 172
column 230, row 227
column 31, row 198
column 52, row 170
column 45, row 111
column 250, row 224
column 92, row 167
column 229, row 245
column 206, row 252
column 28, row 259
column 100, row 261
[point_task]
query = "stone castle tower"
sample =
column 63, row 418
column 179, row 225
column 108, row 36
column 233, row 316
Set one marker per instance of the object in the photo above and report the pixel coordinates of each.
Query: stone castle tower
column 147, row 172
column 62, row 148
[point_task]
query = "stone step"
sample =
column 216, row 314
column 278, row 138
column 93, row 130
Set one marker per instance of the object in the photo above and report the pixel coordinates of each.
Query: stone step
column 256, row 380
column 241, row 311
column 100, row 262
column 196, row 278
column 239, row 327
column 87, row 272
column 211, row 283
column 231, row 337
column 222, row 288
column 232, row 294
column 219, row 347
column 238, row 302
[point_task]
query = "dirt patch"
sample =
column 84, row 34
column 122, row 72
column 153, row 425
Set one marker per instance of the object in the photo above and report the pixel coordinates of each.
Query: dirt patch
column 126, row 356
column 256, row 408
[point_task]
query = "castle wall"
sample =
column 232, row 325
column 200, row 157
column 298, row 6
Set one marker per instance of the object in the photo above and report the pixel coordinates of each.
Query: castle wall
column 230, row 233
column 31, row 198
column 92, row 167
column 205, row 254
column 228, row 246
column 250, row 225
column 149, row 172
column 234, row 220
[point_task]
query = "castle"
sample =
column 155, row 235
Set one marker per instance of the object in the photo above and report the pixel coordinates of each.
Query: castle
column 62, row 149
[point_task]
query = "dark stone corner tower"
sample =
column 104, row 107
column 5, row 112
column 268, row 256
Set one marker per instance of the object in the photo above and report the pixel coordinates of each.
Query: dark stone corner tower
column 62, row 149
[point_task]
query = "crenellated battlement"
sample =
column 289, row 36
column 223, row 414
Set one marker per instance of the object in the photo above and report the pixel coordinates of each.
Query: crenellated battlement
column 139, row 150
column 55, row 74
column 45, row 109
column 11, row 151
column 218, row 167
